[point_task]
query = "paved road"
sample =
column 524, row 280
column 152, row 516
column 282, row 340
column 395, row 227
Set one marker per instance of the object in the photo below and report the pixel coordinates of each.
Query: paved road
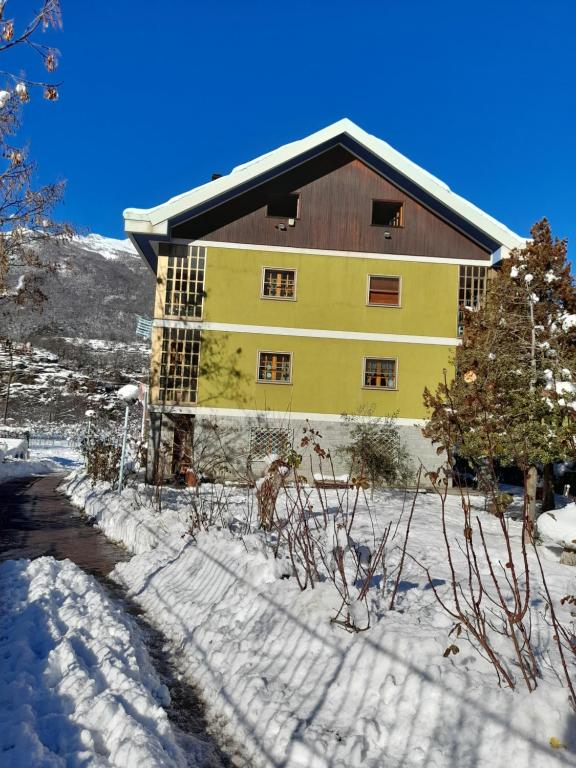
column 35, row 520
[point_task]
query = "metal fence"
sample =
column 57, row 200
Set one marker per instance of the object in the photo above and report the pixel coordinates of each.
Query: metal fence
column 48, row 441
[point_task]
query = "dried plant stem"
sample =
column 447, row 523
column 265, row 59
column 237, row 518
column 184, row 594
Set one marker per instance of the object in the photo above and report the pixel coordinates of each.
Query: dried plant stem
column 405, row 543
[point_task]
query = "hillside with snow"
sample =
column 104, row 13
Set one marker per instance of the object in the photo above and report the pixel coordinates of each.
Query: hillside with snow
column 95, row 289
column 80, row 344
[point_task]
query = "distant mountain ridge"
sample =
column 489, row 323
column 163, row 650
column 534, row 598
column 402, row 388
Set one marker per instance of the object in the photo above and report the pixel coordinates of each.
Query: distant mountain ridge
column 108, row 247
column 97, row 289
column 81, row 345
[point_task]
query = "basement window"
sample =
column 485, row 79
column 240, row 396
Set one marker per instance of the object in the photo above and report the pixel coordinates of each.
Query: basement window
column 387, row 213
column 283, row 206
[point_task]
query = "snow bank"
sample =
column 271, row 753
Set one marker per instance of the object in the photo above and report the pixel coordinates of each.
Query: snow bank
column 13, row 447
column 76, row 685
column 559, row 525
column 66, row 455
column 130, row 517
column 299, row 691
column 14, row 468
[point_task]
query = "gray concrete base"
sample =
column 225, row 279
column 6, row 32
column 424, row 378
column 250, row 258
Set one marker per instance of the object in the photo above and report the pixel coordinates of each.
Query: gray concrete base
column 235, row 447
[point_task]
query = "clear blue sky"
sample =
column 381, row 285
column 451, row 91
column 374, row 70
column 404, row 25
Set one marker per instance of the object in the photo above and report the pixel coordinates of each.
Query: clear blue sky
column 157, row 96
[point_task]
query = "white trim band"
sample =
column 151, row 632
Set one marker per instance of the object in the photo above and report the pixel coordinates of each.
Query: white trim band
column 310, row 333
column 283, row 416
column 488, row 262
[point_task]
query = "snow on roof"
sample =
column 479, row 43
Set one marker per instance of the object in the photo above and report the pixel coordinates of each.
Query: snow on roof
column 155, row 220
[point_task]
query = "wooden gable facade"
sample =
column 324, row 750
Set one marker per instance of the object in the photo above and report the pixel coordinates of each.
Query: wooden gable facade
column 335, row 193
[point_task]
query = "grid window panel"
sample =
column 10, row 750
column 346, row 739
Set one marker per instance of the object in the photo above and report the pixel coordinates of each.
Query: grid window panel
column 264, row 441
column 274, row 367
column 179, row 363
column 279, row 283
column 471, row 292
column 185, row 281
column 384, row 291
column 380, row 373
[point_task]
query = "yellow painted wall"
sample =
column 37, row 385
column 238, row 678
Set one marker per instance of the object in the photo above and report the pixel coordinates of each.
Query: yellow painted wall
column 327, row 375
column 331, row 293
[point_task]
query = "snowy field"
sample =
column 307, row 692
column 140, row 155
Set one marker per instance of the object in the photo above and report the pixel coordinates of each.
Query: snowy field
column 44, row 459
column 296, row 689
column 77, row 688
column 62, row 452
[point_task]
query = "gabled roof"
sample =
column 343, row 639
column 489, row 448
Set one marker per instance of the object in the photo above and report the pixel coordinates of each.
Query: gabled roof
column 156, row 222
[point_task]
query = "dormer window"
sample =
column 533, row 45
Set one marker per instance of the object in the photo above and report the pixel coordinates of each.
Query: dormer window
column 387, row 213
column 283, row 206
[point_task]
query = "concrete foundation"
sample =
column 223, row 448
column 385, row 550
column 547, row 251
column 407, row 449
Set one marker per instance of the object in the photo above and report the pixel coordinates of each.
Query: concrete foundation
column 236, row 447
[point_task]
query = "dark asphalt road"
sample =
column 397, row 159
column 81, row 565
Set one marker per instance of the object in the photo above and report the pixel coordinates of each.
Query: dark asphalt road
column 35, row 520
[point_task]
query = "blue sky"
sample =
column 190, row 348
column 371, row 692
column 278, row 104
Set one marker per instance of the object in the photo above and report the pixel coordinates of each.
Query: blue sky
column 157, row 96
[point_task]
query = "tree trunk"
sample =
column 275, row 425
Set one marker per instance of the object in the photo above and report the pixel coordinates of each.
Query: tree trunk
column 530, row 491
column 548, row 500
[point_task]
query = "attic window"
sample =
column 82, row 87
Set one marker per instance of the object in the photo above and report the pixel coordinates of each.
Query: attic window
column 386, row 213
column 283, row 206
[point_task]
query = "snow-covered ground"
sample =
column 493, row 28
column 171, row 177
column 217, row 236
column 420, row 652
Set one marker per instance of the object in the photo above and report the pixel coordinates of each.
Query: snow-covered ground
column 299, row 691
column 15, row 468
column 13, row 448
column 44, row 459
column 63, row 453
column 77, row 688
column 56, row 389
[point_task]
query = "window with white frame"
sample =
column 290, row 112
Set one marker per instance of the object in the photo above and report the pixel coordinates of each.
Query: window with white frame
column 380, row 373
column 384, row 290
column 278, row 283
column 274, row 367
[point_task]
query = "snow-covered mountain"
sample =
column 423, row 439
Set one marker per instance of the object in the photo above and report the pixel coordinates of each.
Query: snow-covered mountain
column 106, row 246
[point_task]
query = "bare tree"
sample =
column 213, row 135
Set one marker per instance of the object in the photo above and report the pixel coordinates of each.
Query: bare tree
column 25, row 211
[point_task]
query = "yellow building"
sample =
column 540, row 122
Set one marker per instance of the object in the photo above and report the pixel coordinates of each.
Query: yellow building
column 325, row 277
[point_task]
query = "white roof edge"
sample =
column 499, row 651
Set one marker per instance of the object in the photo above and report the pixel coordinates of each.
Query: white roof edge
column 154, row 220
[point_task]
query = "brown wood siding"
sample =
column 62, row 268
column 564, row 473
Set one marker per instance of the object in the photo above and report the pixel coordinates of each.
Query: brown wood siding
column 336, row 193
